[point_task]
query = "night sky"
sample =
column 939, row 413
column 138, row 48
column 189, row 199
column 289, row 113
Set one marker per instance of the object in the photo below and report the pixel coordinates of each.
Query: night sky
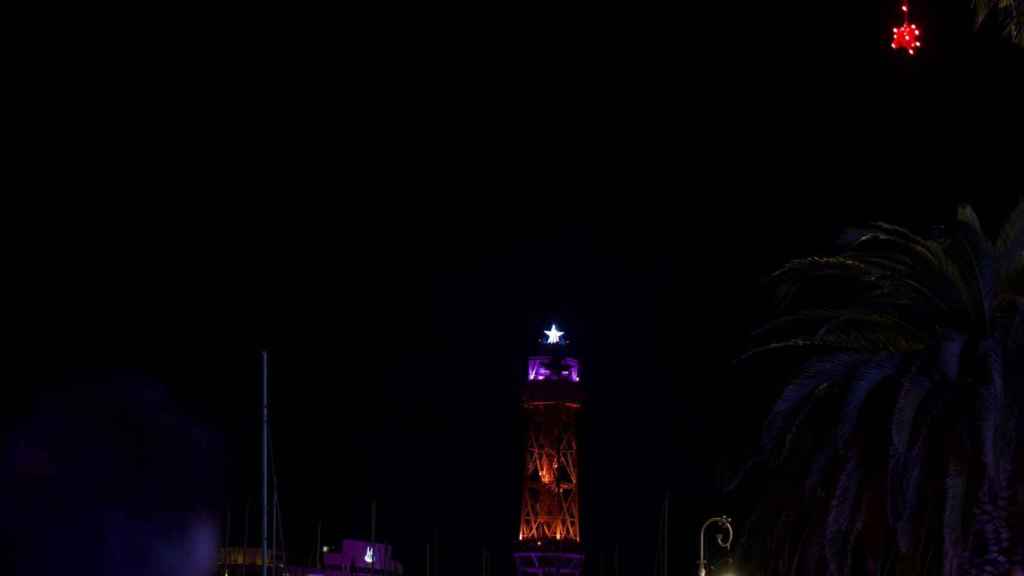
column 397, row 225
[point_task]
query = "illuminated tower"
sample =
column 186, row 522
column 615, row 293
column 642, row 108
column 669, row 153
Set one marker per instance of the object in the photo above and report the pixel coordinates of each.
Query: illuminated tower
column 549, row 525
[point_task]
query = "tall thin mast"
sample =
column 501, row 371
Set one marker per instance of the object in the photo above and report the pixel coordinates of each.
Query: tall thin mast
column 245, row 539
column 665, row 537
column 266, row 423
column 373, row 533
column 319, row 552
column 273, row 530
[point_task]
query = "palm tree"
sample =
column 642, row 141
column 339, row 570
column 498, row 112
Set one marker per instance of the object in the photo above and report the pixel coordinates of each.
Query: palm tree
column 898, row 445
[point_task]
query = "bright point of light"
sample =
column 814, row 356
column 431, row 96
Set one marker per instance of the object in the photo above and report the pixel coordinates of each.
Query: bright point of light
column 369, row 555
column 554, row 335
column 325, row 548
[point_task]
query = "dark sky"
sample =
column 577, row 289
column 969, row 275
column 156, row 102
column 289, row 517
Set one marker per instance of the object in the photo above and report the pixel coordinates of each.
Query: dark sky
column 396, row 207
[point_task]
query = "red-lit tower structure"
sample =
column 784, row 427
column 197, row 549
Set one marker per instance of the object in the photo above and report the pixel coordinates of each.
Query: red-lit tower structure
column 549, row 525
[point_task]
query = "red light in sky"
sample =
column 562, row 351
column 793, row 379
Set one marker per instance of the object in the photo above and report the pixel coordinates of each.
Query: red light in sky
column 908, row 35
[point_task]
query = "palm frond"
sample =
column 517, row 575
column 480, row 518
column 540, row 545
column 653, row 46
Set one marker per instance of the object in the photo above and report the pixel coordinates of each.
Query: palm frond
column 910, row 495
column 990, row 404
column 892, row 264
column 942, row 365
column 1010, row 252
column 804, row 317
column 950, row 270
column 973, row 258
column 929, row 266
column 813, row 375
column 830, row 344
column 1013, row 278
column 1012, row 336
column 841, row 517
column 967, row 215
column 874, row 331
column 888, row 243
column 901, row 234
column 952, row 542
column 878, row 369
column 913, row 390
column 1011, row 237
column 1008, row 17
column 796, row 427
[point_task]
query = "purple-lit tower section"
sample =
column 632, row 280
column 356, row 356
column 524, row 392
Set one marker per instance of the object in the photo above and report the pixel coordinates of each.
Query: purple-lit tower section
column 549, row 526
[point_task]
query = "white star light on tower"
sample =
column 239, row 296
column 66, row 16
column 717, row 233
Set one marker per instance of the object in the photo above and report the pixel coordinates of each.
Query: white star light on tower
column 553, row 335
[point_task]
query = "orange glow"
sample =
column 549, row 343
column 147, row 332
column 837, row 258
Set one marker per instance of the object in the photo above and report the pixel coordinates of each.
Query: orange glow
column 547, row 471
column 550, row 505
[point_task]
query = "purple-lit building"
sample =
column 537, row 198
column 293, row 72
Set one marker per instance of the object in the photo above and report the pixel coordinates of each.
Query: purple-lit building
column 359, row 557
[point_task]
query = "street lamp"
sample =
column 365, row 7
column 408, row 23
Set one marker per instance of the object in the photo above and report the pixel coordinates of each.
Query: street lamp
column 724, row 540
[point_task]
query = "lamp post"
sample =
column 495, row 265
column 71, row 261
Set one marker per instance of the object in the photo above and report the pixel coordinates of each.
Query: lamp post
column 724, row 540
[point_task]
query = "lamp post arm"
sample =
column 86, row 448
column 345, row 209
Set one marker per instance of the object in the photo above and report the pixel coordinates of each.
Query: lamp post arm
column 723, row 540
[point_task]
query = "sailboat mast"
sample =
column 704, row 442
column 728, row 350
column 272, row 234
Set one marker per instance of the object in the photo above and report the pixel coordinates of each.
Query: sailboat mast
column 373, row 532
column 273, row 530
column 319, row 552
column 665, row 537
column 263, row 504
column 245, row 538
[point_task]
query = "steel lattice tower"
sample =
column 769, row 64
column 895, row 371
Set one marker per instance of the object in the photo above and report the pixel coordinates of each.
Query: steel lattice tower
column 549, row 525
